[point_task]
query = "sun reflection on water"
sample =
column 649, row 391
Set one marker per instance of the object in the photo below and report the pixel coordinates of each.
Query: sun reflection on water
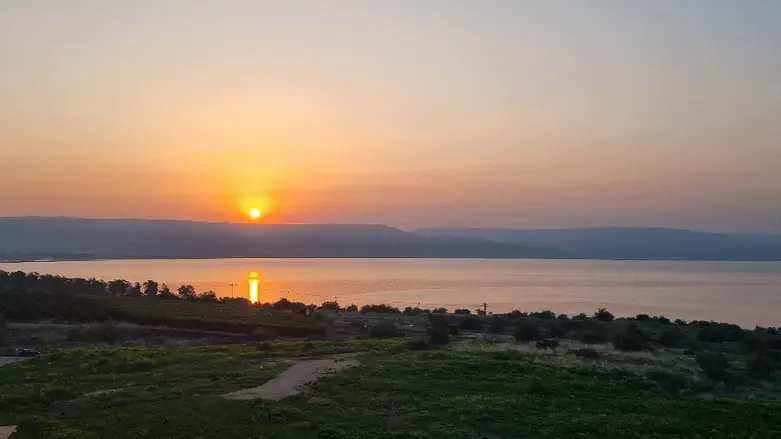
column 254, row 281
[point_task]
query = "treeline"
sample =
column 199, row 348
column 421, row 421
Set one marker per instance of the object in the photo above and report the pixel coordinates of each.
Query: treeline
column 47, row 283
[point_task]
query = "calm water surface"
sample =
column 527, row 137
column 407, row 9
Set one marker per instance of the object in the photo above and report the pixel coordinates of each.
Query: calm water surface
column 747, row 293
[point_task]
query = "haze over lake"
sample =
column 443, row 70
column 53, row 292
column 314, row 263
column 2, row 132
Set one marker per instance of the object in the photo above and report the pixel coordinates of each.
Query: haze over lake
column 746, row 293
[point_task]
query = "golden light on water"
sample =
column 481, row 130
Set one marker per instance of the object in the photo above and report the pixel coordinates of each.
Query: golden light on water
column 254, row 281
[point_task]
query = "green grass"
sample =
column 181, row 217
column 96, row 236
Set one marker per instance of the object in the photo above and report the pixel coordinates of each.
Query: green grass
column 395, row 393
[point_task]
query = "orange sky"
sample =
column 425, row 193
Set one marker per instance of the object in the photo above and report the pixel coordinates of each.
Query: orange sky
column 440, row 114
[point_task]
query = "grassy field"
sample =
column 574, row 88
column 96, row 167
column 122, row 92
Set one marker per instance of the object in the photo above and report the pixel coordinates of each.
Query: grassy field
column 235, row 317
column 469, row 390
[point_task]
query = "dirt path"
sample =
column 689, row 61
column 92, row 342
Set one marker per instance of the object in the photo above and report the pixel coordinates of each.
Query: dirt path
column 6, row 431
column 296, row 378
column 11, row 360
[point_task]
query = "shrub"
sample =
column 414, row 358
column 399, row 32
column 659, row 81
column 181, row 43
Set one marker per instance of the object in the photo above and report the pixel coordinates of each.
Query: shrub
column 670, row 381
column 208, row 296
column 537, row 386
column 453, row 329
column 411, row 310
column 330, row 306
column 526, row 331
column 462, row 311
column 496, row 325
column 630, row 339
column 586, row 353
column 352, row 308
column 439, row 310
column 261, row 333
column 383, row 330
column 545, row 315
column 753, row 342
column 594, row 332
column 439, row 335
column 416, row 344
column 774, row 354
column 670, row 337
column 604, row 315
column 382, row 309
column 5, row 336
column 714, row 366
column 550, row 343
column 662, row 320
column 581, row 316
column 719, row 333
column 680, row 322
column 643, row 318
column 471, row 323
column 760, row 366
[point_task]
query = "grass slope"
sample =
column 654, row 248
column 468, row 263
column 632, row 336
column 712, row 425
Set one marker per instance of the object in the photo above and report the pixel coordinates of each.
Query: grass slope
column 396, row 393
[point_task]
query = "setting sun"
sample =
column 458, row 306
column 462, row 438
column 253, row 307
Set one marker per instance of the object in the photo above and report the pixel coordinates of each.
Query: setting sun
column 255, row 208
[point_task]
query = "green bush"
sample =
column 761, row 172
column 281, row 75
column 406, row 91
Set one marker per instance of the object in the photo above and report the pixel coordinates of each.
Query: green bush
column 760, row 366
column 527, row 330
column 670, row 337
column 630, row 339
column 536, row 386
column 586, row 353
column 416, row 344
column 774, row 354
column 604, row 315
column 383, row 330
column 670, row 381
column 753, row 342
column 5, row 336
column 594, row 332
column 496, row 325
column 470, row 323
column 714, row 366
column 719, row 333
column 439, row 335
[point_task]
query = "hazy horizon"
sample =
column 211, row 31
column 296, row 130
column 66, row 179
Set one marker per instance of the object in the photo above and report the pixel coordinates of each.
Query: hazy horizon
column 439, row 114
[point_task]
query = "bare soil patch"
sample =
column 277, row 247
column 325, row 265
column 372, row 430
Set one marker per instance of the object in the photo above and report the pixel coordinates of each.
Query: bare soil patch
column 6, row 431
column 296, row 378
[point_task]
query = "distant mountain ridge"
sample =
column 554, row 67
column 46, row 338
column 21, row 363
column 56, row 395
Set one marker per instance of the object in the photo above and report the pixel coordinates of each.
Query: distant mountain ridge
column 630, row 242
column 35, row 237
column 82, row 238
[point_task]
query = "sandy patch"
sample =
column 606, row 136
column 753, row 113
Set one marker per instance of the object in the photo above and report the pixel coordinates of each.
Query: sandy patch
column 10, row 360
column 296, row 378
column 103, row 392
column 6, row 431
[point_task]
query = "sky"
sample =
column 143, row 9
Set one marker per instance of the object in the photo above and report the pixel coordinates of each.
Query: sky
column 435, row 113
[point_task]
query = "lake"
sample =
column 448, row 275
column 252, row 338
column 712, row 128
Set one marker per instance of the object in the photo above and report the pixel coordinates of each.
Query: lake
column 746, row 293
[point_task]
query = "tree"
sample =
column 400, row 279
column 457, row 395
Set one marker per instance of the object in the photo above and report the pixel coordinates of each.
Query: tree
column 604, row 315
column 208, row 296
column 151, row 288
column 186, row 292
column 5, row 337
column 118, row 287
column 134, row 290
column 527, row 330
column 352, row 308
column 330, row 306
column 165, row 292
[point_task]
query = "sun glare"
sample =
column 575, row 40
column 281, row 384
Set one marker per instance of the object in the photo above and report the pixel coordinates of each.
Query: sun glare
column 253, row 286
column 255, row 208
